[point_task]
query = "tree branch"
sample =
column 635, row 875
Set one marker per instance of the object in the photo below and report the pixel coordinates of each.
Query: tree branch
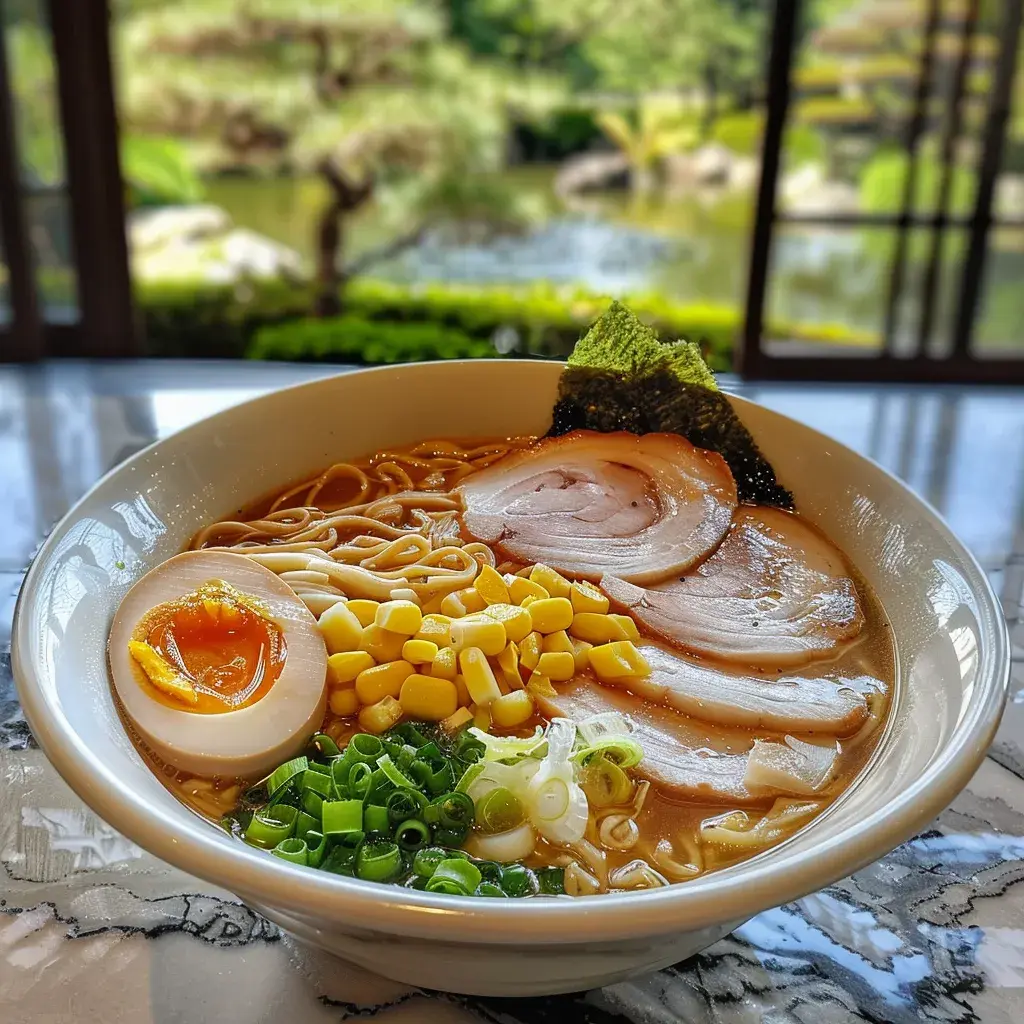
column 385, row 252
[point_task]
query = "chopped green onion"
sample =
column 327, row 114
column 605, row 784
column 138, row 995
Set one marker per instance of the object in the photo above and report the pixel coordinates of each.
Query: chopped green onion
column 409, row 733
column 341, row 773
column 359, row 778
column 293, row 850
column 341, row 817
column 405, row 803
column 412, row 835
column 306, row 823
column 441, row 780
column 469, row 776
column 378, row 788
column 394, row 774
column 454, row 810
column 454, row 876
column 427, row 859
column 317, row 845
column 326, row 746
column 365, row 747
column 378, row 861
column 420, row 773
column 452, row 838
column 490, row 871
column 431, row 752
column 283, row 774
column 468, row 748
column 490, row 889
column 551, row 881
column 319, row 766
column 315, row 781
column 312, row 803
column 340, row 860
column 605, row 783
column 499, row 810
column 375, row 819
column 518, row 880
column 623, row 751
column 270, row 827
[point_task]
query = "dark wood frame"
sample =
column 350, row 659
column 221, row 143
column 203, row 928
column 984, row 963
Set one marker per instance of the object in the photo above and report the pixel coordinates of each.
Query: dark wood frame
column 961, row 364
column 106, row 324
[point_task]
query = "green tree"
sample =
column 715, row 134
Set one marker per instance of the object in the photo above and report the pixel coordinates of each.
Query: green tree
column 372, row 97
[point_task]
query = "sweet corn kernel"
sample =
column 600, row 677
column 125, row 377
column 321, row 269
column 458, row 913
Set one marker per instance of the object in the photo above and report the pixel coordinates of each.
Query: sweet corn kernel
column 512, row 709
column 586, row 597
column 437, row 629
column 380, row 717
column 406, row 594
column 460, row 687
column 482, row 719
column 516, row 620
column 428, row 698
column 508, row 662
column 343, row 668
column 433, row 605
column 419, row 652
column 453, row 607
column 581, row 653
column 551, row 614
column 454, row 723
column 558, row 641
column 381, row 643
column 340, row 628
column 529, row 599
column 479, row 676
column 490, row 586
column 443, row 666
column 558, row 666
column 479, row 631
column 399, row 617
column 529, row 651
column 603, row 629
column 553, row 582
column 540, row 686
column 471, row 600
column 365, row 611
column 374, row 684
column 618, row 660
column 520, row 588
column 343, row 702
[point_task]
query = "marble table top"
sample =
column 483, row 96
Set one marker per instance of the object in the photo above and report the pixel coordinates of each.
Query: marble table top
column 93, row 928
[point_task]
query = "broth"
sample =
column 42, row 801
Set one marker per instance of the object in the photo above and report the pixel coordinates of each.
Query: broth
column 673, row 834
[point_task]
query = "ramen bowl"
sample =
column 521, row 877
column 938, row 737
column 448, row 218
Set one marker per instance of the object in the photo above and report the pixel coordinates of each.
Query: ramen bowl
column 951, row 642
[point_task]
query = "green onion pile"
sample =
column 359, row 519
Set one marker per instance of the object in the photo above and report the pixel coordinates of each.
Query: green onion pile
column 385, row 809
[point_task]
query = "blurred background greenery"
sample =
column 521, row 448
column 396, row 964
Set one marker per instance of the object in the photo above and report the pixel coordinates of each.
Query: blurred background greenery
column 407, row 179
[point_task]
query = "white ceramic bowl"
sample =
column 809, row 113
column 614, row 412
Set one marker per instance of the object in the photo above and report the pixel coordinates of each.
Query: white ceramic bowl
column 952, row 647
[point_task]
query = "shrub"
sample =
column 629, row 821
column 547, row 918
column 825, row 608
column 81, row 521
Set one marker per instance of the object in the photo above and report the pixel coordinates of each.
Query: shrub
column 386, row 322
column 354, row 338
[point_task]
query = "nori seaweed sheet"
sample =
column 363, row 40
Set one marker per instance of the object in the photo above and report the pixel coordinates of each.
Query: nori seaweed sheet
column 622, row 377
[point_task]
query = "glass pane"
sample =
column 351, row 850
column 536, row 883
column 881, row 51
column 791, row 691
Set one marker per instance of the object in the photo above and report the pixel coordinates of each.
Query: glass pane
column 34, row 91
column 998, row 331
column 827, row 291
column 46, row 215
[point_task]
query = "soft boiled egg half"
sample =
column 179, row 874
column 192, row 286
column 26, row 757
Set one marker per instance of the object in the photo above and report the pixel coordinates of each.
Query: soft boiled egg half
column 218, row 665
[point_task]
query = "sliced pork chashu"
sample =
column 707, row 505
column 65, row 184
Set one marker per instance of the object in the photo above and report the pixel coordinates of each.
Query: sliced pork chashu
column 639, row 508
column 774, row 594
column 830, row 704
column 681, row 756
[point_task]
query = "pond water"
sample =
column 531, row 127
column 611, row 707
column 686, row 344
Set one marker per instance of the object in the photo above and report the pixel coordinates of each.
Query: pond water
column 690, row 249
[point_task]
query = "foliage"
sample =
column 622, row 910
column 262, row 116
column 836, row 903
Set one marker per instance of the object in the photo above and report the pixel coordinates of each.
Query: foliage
column 741, row 131
column 220, row 321
column 157, row 171
column 663, row 126
column 881, row 191
column 356, row 339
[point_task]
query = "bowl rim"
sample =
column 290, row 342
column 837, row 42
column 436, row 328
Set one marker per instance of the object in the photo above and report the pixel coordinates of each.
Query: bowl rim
column 746, row 889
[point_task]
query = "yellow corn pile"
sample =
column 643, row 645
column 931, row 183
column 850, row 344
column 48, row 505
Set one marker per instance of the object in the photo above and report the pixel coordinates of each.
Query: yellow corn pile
column 481, row 656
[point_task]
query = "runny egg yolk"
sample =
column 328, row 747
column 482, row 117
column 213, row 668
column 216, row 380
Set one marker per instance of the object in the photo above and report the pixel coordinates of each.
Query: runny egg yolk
column 211, row 651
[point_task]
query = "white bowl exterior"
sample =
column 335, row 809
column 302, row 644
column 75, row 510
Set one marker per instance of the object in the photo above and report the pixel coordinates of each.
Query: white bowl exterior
column 953, row 649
